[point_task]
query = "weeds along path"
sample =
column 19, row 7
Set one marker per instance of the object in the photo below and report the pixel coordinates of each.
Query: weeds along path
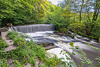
column 12, row 47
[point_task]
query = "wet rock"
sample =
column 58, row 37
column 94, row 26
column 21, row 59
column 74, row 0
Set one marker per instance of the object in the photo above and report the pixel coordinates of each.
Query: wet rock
column 45, row 44
column 50, row 47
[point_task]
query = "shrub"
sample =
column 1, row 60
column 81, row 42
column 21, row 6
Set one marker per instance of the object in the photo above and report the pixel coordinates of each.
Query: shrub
column 12, row 34
column 53, row 61
column 31, row 60
column 3, row 63
column 3, row 44
column 40, row 52
column 96, row 30
column 19, row 41
column 77, row 27
column 43, row 66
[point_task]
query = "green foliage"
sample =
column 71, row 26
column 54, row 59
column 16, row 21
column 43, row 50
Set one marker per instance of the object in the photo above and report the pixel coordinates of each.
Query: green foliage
column 12, row 34
column 19, row 41
column 3, row 44
column 98, row 59
column 77, row 27
column 71, row 44
column 52, row 62
column 42, row 66
column 99, row 40
column 68, row 61
column 32, row 61
column 83, row 56
column 25, row 51
column 12, row 11
column 96, row 30
column 3, row 63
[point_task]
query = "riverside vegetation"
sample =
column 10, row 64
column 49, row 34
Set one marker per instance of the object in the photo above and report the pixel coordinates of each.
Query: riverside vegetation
column 26, row 52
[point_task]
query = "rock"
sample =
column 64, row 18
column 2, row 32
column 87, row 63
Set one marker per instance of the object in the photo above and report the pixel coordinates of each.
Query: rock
column 9, row 48
column 9, row 61
column 27, row 65
column 37, row 62
column 4, row 34
column 49, row 47
column 45, row 44
column 12, row 65
column 9, row 42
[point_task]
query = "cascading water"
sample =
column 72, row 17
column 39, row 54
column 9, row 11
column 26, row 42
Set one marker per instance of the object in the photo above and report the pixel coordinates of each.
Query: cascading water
column 44, row 33
column 34, row 28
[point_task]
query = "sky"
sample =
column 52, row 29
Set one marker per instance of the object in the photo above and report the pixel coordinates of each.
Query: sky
column 55, row 2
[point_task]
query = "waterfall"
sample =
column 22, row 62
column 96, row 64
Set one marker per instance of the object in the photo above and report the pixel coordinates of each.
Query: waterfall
column 34, row 28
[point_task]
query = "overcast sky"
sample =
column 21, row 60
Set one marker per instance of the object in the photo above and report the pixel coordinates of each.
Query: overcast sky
column 55, row 2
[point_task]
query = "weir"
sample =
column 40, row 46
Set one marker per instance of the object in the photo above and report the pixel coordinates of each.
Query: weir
column 34, row 28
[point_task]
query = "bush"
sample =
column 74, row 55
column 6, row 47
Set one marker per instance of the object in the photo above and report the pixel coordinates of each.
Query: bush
column 77, row 27
column 53, row 61
column 3, row 44
column 31, row 60
column 96, row 30
column 3, row 63
column 19, row 41
column 43, row 66
column 12, row 34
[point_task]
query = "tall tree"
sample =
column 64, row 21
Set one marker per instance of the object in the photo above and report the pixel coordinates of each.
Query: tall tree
column 96, row 10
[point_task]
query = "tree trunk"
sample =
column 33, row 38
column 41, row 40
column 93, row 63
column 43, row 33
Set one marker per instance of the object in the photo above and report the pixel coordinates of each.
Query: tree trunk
column 96, row 12
column 81, row 11
column 74, row 18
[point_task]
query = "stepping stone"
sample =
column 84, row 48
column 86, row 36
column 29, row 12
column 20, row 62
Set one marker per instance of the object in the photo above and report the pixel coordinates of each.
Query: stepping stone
column 9, row 48
column 12, row 65
column 9, row 61
column 37, row 62
column 4, row 34
column 9, row 42
column 27, row 65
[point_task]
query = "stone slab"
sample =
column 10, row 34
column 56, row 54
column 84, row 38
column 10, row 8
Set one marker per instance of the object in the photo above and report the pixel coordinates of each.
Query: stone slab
column 9, row 48
column 27, row 65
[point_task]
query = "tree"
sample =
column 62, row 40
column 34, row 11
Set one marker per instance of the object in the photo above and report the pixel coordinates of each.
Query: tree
column 96, row 10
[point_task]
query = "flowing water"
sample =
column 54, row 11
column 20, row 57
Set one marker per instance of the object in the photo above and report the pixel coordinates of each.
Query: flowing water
column 45, row 33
